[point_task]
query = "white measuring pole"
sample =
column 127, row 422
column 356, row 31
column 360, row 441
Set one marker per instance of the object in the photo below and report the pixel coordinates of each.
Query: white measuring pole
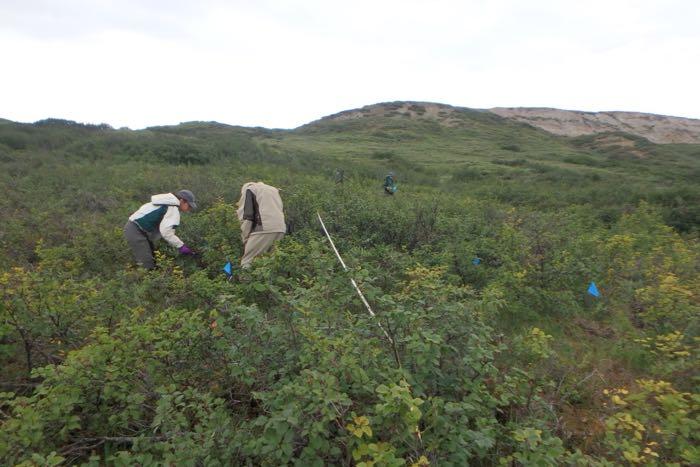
column 354, row 284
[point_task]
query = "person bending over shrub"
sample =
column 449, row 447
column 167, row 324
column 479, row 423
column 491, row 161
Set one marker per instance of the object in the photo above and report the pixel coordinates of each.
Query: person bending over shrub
column 157, row 219
column 261, row 214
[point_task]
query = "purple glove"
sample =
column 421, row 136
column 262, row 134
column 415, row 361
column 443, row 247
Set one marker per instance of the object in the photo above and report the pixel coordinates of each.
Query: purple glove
column 185, row 250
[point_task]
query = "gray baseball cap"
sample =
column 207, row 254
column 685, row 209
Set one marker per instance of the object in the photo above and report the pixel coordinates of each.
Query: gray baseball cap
column 188, row 196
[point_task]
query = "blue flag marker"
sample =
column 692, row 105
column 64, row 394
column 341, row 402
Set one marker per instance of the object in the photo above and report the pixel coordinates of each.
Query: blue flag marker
column 476, row 261
column 593, row 290
column 227, row 269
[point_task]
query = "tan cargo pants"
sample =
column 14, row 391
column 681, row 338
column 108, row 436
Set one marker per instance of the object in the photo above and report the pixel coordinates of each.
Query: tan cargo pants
column 258, row 244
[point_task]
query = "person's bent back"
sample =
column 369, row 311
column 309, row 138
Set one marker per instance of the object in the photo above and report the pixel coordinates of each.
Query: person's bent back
column 261, row 213
column 155, row 220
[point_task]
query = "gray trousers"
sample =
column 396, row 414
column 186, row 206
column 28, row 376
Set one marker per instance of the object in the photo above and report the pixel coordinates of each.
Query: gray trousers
column 257, row 244
column 141, row 245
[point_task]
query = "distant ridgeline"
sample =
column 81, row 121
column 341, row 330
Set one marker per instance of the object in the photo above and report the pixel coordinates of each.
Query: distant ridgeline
column 57, row 122
column 658, row 129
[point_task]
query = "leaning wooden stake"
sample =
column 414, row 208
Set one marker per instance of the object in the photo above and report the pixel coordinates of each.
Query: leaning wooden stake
column 359, row 292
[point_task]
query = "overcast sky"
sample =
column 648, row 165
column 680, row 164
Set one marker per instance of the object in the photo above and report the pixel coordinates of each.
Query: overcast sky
column 280, row 64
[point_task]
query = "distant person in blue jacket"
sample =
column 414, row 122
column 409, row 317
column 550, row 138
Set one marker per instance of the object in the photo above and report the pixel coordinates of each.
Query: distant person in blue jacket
column 390, row 184
column 155, row 220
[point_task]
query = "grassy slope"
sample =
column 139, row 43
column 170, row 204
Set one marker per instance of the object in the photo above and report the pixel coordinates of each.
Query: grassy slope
column 484, row 157
column 473, row 153
column 488, row 157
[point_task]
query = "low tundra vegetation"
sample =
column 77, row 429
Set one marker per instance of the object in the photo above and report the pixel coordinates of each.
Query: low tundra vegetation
column 496, row 354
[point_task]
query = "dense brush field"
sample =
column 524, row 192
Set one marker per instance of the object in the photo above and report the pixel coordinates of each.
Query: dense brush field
column 502, row 361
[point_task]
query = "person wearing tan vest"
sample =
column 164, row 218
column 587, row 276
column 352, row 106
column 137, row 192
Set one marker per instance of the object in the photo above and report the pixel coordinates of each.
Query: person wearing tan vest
column 261, row 214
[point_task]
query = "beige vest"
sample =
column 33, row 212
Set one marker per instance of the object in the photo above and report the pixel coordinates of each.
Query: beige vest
column 269, row 205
